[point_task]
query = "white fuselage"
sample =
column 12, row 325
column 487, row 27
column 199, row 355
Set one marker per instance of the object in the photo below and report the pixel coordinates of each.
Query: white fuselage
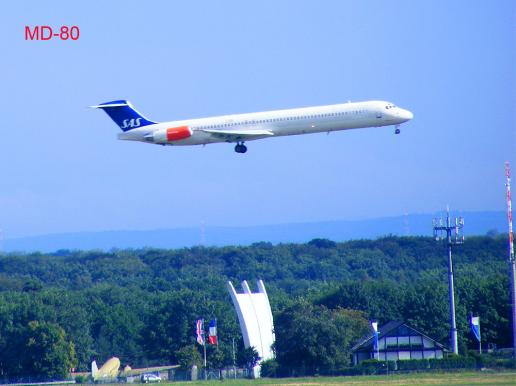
column 275, row 123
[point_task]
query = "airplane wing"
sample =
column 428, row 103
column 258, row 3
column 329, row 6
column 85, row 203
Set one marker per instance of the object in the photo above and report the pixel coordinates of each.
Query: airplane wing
column 239, row 135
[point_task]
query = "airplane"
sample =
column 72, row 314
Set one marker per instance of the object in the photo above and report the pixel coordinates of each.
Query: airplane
column 107, row 371
column 110, row 371
column 239, row 128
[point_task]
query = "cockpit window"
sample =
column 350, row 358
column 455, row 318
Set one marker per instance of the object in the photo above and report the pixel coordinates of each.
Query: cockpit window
column 390, row 106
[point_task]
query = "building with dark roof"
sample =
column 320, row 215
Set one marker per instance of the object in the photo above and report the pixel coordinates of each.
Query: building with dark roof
column 398, row 341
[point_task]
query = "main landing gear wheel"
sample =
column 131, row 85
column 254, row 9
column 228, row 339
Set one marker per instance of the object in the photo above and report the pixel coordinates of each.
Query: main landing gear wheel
column 240, row 147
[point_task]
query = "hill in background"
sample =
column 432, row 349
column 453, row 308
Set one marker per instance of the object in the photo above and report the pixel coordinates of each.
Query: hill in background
column 477, row 223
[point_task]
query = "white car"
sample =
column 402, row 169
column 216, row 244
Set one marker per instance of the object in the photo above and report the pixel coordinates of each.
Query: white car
column 150, row 378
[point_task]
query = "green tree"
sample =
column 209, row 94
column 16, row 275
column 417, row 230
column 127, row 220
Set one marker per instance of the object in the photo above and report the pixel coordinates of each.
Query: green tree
column 188, row 356
column 314, row 339
column 248, row 357
column 47, row 351
column 215, row 357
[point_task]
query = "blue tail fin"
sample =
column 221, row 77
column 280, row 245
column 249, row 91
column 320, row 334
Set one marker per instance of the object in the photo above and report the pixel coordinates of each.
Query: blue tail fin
column 124, row 114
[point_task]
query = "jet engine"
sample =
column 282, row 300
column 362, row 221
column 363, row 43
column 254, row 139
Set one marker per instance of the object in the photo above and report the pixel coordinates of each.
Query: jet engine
column 171, row 134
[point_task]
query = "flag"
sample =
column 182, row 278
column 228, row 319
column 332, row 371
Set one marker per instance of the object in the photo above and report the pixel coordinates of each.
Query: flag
column 374, row 326
column 475, row 326
column 199, row 330
column 212, row 337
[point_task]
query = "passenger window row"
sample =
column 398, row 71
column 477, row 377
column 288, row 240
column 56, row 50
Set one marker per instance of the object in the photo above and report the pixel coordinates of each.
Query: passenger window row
column 250, row 122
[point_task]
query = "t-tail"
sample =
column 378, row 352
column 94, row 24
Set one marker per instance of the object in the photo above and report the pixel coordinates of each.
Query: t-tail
column 94, row 369
column 124, row 115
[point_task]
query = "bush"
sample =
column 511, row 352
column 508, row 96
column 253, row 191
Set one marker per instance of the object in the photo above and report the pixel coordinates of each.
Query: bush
column 269, row 368
column 413, row 364
column 369, row 366
column 80, row 379
column 508, row 363
column 492, row 360
column 373, row 366
column 453, row 362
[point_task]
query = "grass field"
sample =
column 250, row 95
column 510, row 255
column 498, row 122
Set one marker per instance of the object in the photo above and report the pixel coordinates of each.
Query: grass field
column 466, row 378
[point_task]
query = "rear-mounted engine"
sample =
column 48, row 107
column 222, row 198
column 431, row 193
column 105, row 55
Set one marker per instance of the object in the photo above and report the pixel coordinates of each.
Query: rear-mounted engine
column 172, row 134
column 178, row 133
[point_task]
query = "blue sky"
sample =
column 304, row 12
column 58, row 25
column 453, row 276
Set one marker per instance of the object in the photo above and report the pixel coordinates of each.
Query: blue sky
column 452, row 63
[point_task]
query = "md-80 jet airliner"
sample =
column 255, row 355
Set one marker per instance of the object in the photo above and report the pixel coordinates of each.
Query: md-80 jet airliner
column 240, row 128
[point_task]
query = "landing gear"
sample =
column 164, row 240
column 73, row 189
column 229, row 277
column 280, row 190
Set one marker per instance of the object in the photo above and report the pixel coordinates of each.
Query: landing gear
column 240, row 147
column 397, row 131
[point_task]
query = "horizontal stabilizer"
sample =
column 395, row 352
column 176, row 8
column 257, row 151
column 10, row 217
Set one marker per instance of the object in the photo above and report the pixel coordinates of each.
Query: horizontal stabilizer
column 106, row 105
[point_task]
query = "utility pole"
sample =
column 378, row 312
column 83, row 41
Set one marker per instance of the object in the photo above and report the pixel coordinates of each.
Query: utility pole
column 511, row 256
column 454, row 236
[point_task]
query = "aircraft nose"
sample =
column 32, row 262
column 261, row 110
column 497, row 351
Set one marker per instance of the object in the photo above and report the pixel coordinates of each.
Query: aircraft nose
column 406, row 115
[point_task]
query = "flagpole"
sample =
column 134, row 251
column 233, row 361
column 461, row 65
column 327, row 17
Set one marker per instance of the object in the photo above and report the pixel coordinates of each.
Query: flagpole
column 204, row 346
column 377, row 348
column 234, row 359
column 480, row 343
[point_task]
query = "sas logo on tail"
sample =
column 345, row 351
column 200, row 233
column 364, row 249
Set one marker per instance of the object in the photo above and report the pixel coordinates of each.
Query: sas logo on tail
column 132, row 123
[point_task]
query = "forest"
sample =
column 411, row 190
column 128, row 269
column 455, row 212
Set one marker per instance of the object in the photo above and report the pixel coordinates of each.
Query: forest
column 61, row 310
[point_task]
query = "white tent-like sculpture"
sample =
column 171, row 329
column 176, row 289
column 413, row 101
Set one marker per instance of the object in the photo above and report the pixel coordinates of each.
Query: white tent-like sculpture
column 255, row 318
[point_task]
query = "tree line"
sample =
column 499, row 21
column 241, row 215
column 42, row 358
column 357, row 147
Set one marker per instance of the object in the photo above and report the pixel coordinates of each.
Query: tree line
column 61, row 310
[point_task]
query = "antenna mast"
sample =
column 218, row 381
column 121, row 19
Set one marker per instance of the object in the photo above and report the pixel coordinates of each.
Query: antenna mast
column 511, row 255
column 452, row 230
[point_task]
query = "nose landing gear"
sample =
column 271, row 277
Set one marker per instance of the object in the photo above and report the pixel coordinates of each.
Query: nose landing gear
column 397, row 130
column 240, row 147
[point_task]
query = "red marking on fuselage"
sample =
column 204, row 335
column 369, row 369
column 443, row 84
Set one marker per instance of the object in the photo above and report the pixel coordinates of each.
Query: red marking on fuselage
column 178, row 133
